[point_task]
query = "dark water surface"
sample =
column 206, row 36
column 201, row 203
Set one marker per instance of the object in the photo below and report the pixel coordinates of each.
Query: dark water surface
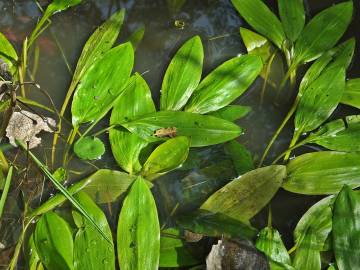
column 218, row 25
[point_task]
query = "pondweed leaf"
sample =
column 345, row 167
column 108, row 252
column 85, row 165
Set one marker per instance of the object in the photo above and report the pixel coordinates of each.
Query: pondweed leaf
column 182, row 75
column 137, row 36
column 322, row 32
column 352, row 93
column 91, row 250
column 8, row 53
column 270, row 243
column 246, row 195
column 322, row 172
column 167, row 156
column 54, row 242
column 224, row 84
column 240, row 156
column 202, row 130
column 138, row 232
column 34, row 262
column 60, row 5
column 89, row 148
column 102, row 84
column 346, row 229
column 232, row 112
column 135, row 101
column 260, row 17
column 339, row 135
column 292, row 16
column 343, row 53
column 307, row 257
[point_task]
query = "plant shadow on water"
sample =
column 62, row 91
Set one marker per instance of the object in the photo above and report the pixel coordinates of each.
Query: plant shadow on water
column 205, row 171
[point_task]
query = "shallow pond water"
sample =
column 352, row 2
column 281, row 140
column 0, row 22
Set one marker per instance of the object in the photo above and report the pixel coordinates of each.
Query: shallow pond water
column 217, row 22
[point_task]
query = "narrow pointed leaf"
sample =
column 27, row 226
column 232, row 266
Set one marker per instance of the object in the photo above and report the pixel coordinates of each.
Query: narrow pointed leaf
column 8, row 53
column 352, row 93
column 292, row 16
column 307, row 257
column 201, row 129
column 60, row 5
column 138, row 232
column 224, row 84
column 245, row 196
column 322, row 172
column 260, row 17
column 232, row 112
column 135, row 101
column 182, row 75
column 103, row 82
column 137, row 36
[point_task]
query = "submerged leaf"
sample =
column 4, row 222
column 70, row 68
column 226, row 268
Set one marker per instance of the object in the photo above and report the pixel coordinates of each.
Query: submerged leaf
column 89, row 148
column 322, row 172
column 245, row 196
column 292, row 16
column 137, row 36
column 352, row 93
column 224, row 84
column 138, row 232
column 232, row 112
column 8, row 53
column 240, row 156
column 182, row 75
column 307, row 257
column 202, row 130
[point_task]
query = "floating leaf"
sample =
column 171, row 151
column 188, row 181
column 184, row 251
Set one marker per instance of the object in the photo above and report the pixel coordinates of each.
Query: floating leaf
column 201, row 129
column 346, row 229
column 322, row 172
column 91, row 250
column 240, row 156
column 89, row 148
column 352, row 93
column 102, row 84
column 138, row 232
column 232, row 112
column 167, row 156
column 216, row 225
column 182, row 75
column 135, row 101
column 8, row 53
column 260, row 17
column 245, row 196
column 224, row 84
column 292, row 16
column 323, row 32
column 55, row 252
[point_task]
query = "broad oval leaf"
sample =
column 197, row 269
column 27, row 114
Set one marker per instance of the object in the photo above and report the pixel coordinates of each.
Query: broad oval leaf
column 245, row 196
column 55, row 252
column 346, row 229
column 102, row 84
column 138, row 232
column 292, row 16
column 260, row 17
column 322, row 172
column 89, row 148
column 352, row 93
column 224, row 84
column 167, row 156
column 232, row 112
column 323, row 32
column 8, row 53
column 91, row 250
column 182, row 75
column 135, row 101
column 202, row 130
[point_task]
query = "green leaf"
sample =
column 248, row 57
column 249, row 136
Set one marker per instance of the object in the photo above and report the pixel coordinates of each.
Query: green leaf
column 216, row 225
column 352, row 93
column 344, row 53
column 339, row 135
column 91, row 250
column 182, row 75
column 224, row 84
column 269, row 242
column 323, row 32
column 240, row 156
column 346, row 229
column 89, row 148
column 320, row 99
column 60, row 174
column 292, row 16
column 137, row 36
column 167, row 156
column 306, row 256
column 232, row 112
column 260, row 17
column 135, row 101
column 8, row 53
column 201, row 129
column 102, row 84
column 322, row 172
column 54, row 242
column 138, row 232
column 60, row 5
column 245, row 196
column 33, row 259
column 173, row 252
